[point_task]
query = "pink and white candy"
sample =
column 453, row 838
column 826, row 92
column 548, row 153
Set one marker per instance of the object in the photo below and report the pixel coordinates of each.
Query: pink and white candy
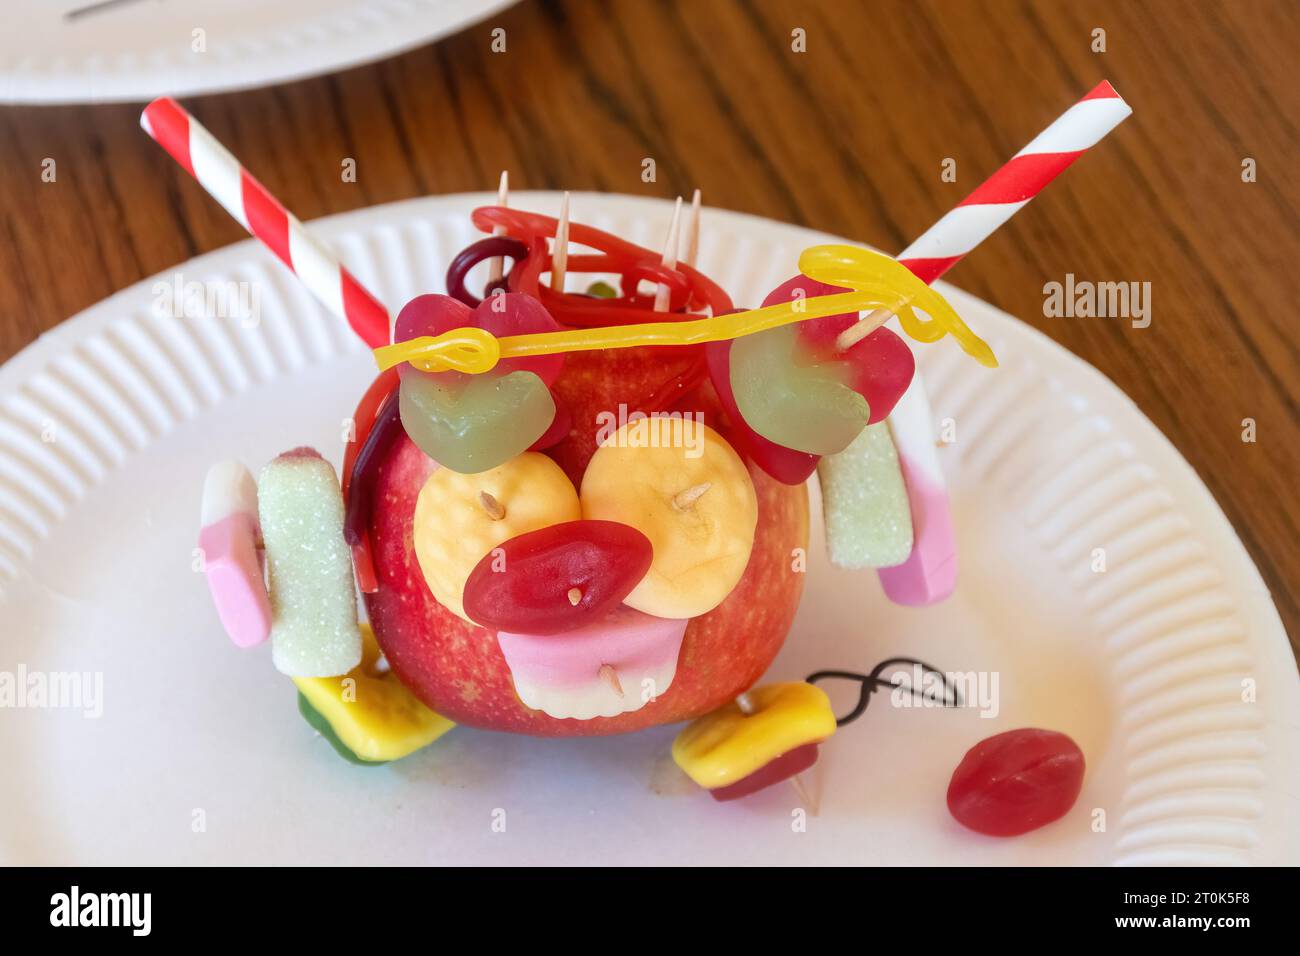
column 930, row 574
column 613, row 666
column 232, row 564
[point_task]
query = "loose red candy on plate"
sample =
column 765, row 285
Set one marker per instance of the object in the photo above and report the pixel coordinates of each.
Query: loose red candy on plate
column 557, row 578
column 1015, row 782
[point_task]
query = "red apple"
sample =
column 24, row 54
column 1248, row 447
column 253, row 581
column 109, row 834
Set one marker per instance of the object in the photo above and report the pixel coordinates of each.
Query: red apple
column 458, row 668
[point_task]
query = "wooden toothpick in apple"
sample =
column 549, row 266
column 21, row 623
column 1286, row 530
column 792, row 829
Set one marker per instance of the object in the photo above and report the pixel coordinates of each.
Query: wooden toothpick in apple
column 560, row 248
column 693, row 232
column 669, row 260
column 496, row 268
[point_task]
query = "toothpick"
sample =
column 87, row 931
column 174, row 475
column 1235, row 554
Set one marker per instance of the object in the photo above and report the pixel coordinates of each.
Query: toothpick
column 495, row 510
column 864, row 327
column 685, row 499
column 498, row 263
column 693, row 233
column 610, row 676
column 812, row 806
column 669, row 260
column 560, row 248
column 747, row 707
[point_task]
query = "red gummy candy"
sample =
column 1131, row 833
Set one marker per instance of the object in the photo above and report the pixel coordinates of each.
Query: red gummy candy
column 511, row 314
column 774, row 771
column 561, row 426
column 526, row 589
column 1015, row 782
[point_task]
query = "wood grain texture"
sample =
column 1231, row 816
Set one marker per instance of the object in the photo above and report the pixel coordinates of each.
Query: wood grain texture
column 847, row 138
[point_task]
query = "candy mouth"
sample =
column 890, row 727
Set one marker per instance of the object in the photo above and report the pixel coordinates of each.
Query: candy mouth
column 616, row 665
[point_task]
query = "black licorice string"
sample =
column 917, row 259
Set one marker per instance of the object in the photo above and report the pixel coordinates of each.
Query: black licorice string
column 870, row 683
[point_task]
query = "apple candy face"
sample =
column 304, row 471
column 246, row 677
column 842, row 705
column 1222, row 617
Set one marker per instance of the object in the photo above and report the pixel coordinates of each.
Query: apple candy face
column 460, row 670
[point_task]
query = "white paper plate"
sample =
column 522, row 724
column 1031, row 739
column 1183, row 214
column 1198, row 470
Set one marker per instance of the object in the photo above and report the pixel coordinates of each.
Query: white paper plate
column 1144, row 665
column 140, row 49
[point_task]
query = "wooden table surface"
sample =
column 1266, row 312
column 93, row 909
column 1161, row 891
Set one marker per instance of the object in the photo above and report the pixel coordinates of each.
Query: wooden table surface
column 848, row 137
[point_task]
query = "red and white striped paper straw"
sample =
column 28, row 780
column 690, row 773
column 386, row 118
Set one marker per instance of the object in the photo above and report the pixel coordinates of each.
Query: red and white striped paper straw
column 1008, row 190
column 1004, row 193
column 226, row 181
column 930, row 573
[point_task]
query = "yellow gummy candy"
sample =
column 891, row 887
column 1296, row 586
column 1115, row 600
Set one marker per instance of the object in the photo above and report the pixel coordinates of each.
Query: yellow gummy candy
column 728, row 745
column 373, row 714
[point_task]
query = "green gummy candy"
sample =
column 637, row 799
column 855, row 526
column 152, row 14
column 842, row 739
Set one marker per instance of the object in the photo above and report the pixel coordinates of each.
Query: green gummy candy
column 477, row 422
column 322, row 726
column 602, row 290
column 808, row 407
column 864, row 503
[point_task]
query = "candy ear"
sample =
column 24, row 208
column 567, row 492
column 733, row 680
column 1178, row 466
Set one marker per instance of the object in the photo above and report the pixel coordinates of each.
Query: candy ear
column 786, row 465
column 807, row 407
column 314, row 630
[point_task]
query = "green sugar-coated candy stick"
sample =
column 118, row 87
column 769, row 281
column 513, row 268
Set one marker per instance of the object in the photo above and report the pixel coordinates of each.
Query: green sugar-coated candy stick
column 314, row 630
column 864, row 503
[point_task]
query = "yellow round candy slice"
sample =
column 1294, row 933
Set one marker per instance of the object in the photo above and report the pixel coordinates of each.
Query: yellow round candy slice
column 678, row 482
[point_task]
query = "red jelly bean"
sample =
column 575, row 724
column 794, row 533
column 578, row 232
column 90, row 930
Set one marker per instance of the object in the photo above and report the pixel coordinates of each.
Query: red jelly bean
column 1016, row 782
column 773, row 772
column 557, row 578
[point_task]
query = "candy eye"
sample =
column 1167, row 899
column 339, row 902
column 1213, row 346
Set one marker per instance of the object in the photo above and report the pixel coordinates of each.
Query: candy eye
column 679, row 483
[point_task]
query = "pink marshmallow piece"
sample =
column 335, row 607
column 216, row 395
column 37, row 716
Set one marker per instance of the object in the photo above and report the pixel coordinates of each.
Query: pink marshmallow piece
column 228, row 539
column 929, row 575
